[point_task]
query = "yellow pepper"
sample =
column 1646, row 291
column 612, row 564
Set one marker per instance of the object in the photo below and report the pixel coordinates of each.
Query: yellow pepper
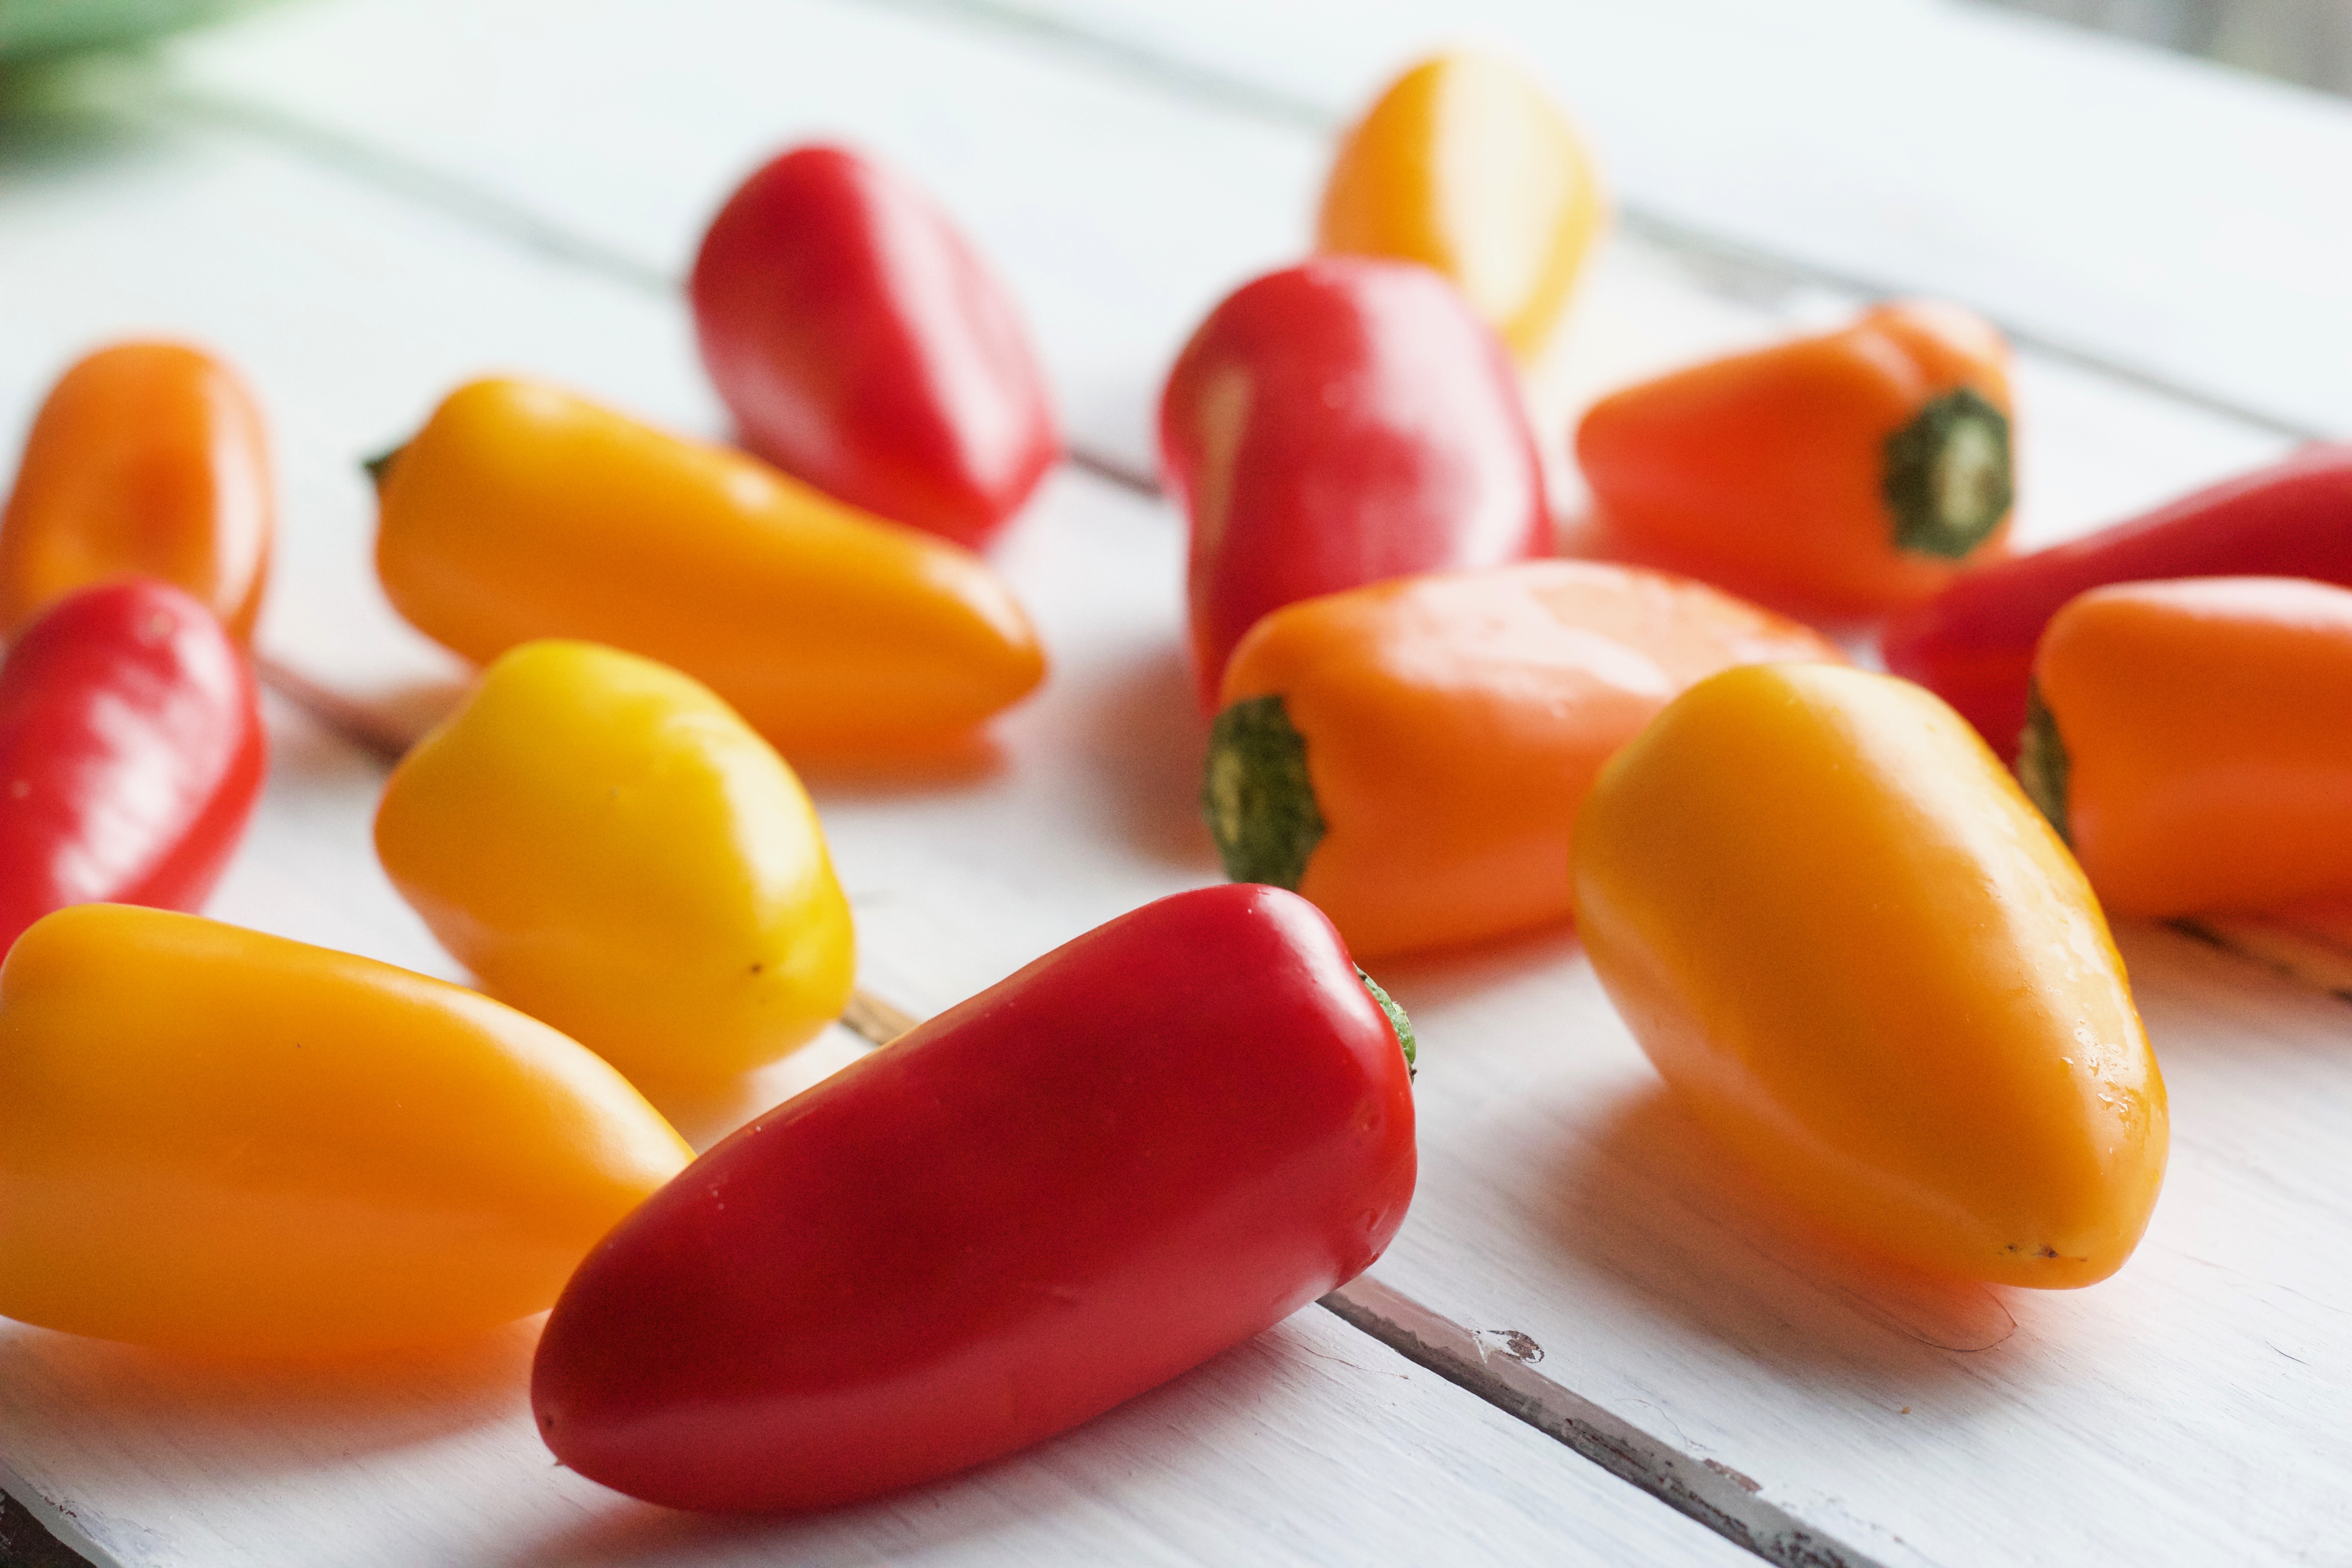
column 521, row 512
column 1865, row 963
column 610, row 849
column 1465, row 164
column 223, row 1142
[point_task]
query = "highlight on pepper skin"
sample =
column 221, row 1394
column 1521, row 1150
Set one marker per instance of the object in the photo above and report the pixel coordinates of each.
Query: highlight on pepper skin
column 608, row 846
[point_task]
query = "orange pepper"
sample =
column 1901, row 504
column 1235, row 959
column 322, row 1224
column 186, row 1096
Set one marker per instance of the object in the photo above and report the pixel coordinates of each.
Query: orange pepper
column 1467, row 165
column 229, row 1142
column 1850, row 472
column 1411, row 756
column 1858, row 958
column 521, row 511
column 147, row 460
column 2189, row 739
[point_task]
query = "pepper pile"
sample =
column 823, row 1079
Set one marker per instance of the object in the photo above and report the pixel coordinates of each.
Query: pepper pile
column 1827, row 913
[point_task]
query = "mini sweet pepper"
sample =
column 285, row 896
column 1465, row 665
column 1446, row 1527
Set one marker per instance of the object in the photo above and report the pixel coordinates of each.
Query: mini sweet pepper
column 1861, row 959
column 2190, row 740
column 1850, row 472
column 1411, row 756
column 217, row 1141
column 521, row 512
column 1153, row 1143
column 146, row 460
column 1333, row 425
column 1465, row 164
column 863, row 345
column 132, row 752
column 608, row 847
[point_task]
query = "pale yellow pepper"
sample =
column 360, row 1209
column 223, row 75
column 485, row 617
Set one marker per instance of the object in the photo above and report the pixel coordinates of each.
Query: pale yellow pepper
column 1465, row 164
column 608, row 846
column 1865, row 963
column 223, row 1142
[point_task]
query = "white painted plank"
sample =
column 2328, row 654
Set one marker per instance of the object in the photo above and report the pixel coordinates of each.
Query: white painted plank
column 1310, row 1444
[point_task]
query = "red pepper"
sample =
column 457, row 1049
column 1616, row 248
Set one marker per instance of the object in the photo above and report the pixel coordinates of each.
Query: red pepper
column 1972, row 645
column 1144, row 1148
column 861, row 344
column 1339, row 423
column 131, row 753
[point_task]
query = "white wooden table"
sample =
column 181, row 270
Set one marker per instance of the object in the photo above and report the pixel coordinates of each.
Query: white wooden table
column 362, row 202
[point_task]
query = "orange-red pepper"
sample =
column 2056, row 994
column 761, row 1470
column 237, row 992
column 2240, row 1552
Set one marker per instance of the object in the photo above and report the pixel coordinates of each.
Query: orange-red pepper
column 148, row 460
column 1411, row 756
column 2190, row 739
column 1465, row 164
column 1851, row 472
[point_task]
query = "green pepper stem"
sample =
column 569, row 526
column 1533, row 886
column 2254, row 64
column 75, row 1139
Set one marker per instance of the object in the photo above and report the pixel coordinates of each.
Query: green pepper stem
column 1256, row 796
column 2042, row 764
column 380, row 465
column 1948, row 480
column 1397, row 1021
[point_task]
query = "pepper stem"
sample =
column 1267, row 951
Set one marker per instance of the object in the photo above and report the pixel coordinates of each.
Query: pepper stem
column 379, row 466
column 1397, row 1021
column 1256, row 796
column 1948, row 481
column 2042, row 762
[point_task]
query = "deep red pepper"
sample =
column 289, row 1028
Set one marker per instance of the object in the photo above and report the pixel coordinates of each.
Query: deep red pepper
column 1972, row 645
column 131, row 753
column 1147, row 1146
column 1335, row 424
column 861, row 344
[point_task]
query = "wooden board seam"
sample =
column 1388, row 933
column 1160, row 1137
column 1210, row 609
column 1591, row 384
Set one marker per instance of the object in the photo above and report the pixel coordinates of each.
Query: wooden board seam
column 1498, row 1369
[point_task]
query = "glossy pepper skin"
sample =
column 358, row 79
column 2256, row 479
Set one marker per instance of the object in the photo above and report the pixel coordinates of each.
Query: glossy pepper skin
column 1465, row 164
column 1848, row 473
column 1859, row 958
column 608, row 847
column 131, row 753
column 1973, row 644
column 864, row 345
column 1337, row 423
column 1147, row 1146
column 147, row 460
column 1411, row 756
column 2190, row 741
column 521, row 511
column 231, row 1143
